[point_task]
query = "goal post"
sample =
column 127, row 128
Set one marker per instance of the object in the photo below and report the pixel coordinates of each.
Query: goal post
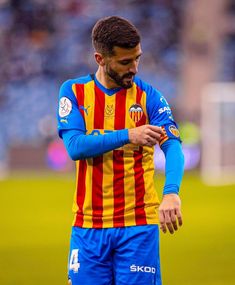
column 218, row 133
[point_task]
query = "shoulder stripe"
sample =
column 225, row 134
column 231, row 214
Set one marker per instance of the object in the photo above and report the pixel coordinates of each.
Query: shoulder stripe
column 99, row 109
column 120, row 110
column 79, row 92
column 139, row 94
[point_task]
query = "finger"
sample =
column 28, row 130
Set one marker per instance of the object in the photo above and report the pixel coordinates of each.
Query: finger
column 154, row 134
column 150, row 138
column 151, row 141
column 179, row 217
column 150, row 144
column 163, row 228
column 162, row 221
column 147, row 141
column 173, row 219
column 156, row 129
column 168, row 222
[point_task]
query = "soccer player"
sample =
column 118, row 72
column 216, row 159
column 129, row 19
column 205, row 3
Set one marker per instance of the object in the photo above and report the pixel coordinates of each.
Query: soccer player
column 110, row 122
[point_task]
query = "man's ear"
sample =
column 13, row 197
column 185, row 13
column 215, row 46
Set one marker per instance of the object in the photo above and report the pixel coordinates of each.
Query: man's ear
column 99, row 58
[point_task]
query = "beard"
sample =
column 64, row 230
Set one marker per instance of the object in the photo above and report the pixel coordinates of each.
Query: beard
column 120, row 80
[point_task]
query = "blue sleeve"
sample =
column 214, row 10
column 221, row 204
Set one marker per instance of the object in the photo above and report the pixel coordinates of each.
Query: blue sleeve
column 72, row 129
column 68, row 114
column 160, row 114
column 174, row 168
column 81, row 146
column 158, row 109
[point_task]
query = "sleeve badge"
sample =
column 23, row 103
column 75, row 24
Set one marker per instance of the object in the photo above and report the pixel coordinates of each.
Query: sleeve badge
column 174, row 131
column 65, row 107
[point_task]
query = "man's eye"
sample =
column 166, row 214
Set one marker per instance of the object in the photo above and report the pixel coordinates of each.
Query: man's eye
column 125, row 62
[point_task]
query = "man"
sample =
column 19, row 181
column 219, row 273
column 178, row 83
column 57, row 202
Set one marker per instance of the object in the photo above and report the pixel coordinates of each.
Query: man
column 110, row 122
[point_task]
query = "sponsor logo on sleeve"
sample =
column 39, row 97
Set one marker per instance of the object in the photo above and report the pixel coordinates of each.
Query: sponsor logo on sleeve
column 65, row 107
column 164, row 109
column 65, row 121
column 163, row 100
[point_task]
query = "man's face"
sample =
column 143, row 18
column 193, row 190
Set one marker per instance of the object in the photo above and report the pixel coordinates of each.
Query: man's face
column 121, row 67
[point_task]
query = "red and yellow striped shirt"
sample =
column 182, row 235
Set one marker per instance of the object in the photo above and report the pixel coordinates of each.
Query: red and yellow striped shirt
column 115, row 189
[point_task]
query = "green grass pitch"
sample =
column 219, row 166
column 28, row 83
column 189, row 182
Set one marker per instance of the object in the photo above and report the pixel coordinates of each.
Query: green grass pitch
column 36, row 219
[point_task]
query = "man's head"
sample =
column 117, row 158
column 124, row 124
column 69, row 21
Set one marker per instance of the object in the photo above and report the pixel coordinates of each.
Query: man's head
column 114, row 31
column 117, row 50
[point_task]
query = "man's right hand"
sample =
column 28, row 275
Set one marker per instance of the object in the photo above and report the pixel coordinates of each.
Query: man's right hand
column 146, row 135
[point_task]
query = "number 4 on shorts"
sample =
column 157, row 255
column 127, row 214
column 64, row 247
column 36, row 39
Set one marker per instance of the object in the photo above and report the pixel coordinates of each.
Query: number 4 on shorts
column 74, row 263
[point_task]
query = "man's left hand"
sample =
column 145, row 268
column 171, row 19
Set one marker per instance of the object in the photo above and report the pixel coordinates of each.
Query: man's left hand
column 170, row 213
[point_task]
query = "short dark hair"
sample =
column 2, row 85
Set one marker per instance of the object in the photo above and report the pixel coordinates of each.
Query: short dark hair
column 114, row 31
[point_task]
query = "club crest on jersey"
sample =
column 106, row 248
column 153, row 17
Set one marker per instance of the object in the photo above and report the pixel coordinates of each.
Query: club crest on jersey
column 174, row 131
column 136, row 112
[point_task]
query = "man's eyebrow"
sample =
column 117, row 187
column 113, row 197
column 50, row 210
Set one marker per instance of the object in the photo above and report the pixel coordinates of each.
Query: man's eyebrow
column 126, row 59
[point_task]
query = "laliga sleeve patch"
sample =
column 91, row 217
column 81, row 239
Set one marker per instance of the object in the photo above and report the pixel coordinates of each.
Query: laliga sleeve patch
column 65, row 107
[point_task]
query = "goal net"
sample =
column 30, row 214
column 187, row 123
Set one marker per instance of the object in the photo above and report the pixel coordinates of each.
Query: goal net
column 218, row 133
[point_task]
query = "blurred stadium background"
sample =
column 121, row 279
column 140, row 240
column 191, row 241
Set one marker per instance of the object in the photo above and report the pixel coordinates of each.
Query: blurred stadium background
column 187, row 46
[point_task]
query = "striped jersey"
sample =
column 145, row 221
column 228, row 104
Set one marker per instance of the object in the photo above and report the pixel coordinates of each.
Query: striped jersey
column 116, row 188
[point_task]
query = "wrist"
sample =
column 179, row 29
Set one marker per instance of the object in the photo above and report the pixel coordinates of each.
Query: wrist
column 132, row 135
column 170, row 195
column 171, row 189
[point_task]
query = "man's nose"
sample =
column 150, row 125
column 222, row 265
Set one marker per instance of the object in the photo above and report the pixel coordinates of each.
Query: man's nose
column 134, row 68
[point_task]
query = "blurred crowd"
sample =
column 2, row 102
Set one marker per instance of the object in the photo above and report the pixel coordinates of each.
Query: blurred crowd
column 45, row 42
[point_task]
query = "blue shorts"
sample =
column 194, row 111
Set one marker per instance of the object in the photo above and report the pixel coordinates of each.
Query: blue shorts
column 120, row 256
